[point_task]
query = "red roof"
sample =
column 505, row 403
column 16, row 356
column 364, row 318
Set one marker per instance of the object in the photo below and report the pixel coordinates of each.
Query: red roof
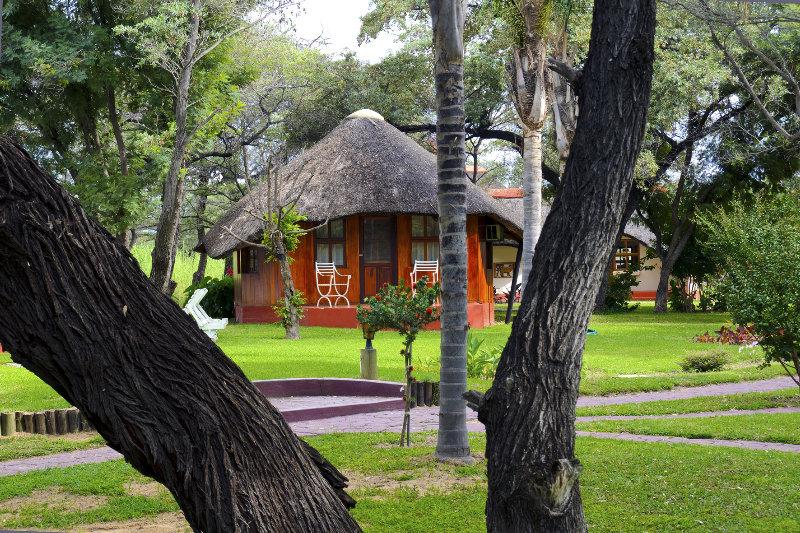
column 513, row 192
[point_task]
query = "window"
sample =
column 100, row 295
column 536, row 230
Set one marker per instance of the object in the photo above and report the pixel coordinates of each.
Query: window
column 424, row 238
column 329, row 243
column 249, row 261
column 627, row 255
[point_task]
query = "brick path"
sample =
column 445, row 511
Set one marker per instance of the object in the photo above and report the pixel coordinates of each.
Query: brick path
column 426, row 418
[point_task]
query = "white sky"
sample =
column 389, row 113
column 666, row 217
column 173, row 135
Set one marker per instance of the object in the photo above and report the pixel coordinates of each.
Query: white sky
column 339, row 22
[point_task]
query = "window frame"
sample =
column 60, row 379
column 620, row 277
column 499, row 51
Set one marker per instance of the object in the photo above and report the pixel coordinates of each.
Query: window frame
column 329, row 241
column 634, row 257
column 247, row 256
column 425, row 238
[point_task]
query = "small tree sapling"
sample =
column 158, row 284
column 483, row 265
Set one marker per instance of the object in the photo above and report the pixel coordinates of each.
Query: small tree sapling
column 407, row 311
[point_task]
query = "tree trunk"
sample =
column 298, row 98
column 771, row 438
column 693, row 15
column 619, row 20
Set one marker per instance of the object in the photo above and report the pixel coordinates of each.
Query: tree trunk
column 77, row 311
column 634, row 198
column 529, row 412
column 292, row 324
column 532, row 199
column 448, row 25
column 166, row 241
column 662, row 291
column 123, row 234
column 202, row 201
column 676, row 246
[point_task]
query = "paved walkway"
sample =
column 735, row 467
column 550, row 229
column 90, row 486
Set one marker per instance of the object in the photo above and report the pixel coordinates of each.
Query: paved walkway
column 427, row 418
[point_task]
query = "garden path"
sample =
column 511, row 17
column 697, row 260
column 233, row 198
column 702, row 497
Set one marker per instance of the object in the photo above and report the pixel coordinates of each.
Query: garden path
column 427, row 418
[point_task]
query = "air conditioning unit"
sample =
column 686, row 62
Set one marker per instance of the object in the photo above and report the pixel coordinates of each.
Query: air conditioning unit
column 493, row 232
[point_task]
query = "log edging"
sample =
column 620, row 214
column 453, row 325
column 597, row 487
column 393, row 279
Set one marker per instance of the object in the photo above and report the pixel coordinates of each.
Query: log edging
column 47, row 422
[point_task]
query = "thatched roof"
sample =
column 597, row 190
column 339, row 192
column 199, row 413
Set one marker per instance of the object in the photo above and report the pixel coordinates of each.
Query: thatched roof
column 511, row 200
column 365, row 165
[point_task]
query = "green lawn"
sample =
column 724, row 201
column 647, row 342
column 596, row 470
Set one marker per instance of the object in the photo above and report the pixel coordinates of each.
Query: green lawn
column 633, row 352
column 25, row 445
column 778, row 427
column 626, row 486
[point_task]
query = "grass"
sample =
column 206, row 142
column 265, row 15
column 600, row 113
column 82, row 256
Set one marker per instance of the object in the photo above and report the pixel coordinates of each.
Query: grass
column 778, row 427
column 185, row 267
column 23, row 445
column 750, row 400
column 637, row 351
column 626, row 486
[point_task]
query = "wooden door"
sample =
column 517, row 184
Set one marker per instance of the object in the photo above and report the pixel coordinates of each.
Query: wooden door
column 378, row 253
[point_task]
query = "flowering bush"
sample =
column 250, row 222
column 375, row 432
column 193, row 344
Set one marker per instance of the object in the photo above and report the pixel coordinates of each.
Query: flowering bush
column 406, row 311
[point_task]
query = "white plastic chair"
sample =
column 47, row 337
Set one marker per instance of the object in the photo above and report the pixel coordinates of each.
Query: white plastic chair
column 331, row 285
column 424, row 268
column 209, row 325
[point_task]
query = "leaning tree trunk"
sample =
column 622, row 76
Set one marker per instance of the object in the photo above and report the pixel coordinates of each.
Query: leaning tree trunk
column 676, row 246
column 529, row 411
column 166, row 241
column 202, row 202
column 448, row 26
column 77, row 311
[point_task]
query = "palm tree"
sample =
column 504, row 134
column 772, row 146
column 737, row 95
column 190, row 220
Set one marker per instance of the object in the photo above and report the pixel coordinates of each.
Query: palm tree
column 448, row 27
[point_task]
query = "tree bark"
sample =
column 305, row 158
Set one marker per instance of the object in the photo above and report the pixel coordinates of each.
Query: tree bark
column 202, row 201
column 448, row 26
column 292, row 324
column 77, row 311
column 529, row 411
column 166, row 241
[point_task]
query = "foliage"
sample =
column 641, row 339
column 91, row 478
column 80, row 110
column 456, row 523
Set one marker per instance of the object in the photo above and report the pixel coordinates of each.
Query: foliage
column 712, row 297
column 481, row 363
column 218, row 303
column 399, row 308
column 760, row 246
column 709, row 361
column 739, row 336
column 287, row 225
column 620, row 290
column 297, row 302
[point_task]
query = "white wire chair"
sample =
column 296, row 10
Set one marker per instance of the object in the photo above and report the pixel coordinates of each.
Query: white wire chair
column 422, row 269
column 331, row 285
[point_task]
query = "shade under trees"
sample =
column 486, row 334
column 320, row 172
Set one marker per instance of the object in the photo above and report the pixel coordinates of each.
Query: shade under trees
column 78, row 312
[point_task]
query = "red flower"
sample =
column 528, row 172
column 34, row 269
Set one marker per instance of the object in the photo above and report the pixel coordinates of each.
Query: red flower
column 411, row 369
column 378, row 298
column 429, row 310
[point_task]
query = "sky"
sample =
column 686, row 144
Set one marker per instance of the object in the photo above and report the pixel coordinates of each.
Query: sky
column 338, row 22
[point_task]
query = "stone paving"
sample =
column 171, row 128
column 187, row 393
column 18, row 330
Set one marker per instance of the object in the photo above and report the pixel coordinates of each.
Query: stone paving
column 427, row 418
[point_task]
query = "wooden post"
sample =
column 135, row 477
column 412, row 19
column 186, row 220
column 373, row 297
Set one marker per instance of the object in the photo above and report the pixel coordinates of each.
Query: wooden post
column 27, row 422
column 18, row 421
column 369, row 363
column 73, row 421
column 39, row 425
column 7, row 424
column 61, row 422
column 50, row 422
column 514, row 283
column 428, row 393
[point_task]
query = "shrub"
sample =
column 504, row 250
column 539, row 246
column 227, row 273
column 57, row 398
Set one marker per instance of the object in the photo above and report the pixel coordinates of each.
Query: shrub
column 760, row 247
column 709, row 361
column 298, row 301
column 620, row 290
column 712, row 298
column 679, row 300
column 481, row 363
column 218, row 303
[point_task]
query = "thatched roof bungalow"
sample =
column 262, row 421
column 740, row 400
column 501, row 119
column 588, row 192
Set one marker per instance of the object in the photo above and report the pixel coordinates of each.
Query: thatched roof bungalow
column 376, row 188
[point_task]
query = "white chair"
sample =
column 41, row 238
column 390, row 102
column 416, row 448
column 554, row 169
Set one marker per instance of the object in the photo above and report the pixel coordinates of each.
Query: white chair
column 424, row 268
column 331, row 285
column 209, row 325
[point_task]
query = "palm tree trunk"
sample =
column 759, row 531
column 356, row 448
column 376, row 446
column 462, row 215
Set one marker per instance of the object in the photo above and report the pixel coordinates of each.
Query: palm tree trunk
column 529, row 411
column 448, row 25
column 532, row 199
